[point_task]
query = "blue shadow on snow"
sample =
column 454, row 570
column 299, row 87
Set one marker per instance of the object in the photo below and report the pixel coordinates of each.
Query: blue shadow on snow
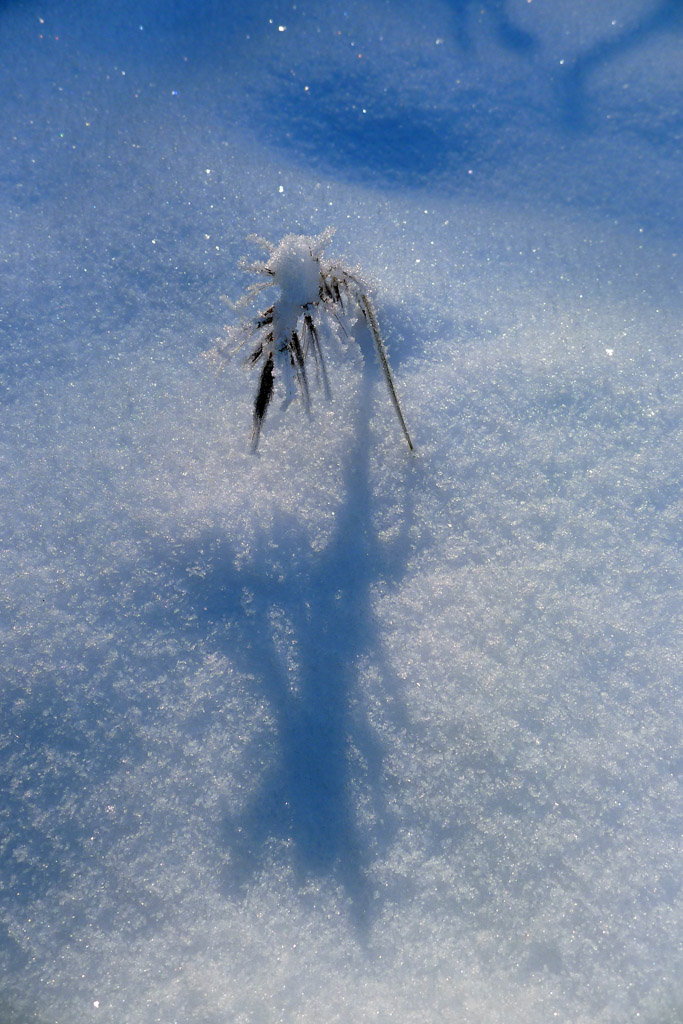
column 324, row 754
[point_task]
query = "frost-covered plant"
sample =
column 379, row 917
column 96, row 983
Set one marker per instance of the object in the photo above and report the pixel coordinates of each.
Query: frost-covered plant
column 314, row 292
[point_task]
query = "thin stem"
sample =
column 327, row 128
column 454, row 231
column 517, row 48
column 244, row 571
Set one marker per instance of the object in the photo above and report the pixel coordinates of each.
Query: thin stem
column 369, row 311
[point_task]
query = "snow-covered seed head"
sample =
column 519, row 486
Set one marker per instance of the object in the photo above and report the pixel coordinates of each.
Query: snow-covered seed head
column 295, row 268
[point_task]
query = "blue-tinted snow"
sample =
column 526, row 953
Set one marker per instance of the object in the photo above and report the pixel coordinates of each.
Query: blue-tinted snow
column 331, row 733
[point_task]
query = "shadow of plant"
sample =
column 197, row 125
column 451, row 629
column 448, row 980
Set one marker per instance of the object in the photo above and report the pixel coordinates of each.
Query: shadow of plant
column 509, row 34
column 665, row 16
column 452, row 115
column 131, row 632
column 302, row 631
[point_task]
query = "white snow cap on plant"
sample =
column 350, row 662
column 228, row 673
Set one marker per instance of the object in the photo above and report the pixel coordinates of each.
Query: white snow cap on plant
column 313, row 291
column 295, row 266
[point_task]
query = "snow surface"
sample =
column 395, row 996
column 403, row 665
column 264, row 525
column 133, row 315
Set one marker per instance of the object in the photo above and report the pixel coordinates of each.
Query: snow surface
column 330, row 733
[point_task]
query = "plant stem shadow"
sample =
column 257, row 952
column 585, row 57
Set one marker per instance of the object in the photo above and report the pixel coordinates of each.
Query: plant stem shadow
column 665, row 16
column 302, row 631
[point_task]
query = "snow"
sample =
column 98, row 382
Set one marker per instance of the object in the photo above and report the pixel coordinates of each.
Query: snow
column 333, row 732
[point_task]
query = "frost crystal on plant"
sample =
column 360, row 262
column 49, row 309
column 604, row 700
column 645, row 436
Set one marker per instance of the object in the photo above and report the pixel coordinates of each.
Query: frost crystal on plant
column 287, row 335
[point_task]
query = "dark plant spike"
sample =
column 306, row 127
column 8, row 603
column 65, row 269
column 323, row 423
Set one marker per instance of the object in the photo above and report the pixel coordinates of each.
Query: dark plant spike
column 255, row 355
column 300, row 368
column 318, row 355
column 263, row 397
column 265, row 319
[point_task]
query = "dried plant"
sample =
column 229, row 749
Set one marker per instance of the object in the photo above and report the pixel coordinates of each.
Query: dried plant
column 287, row 335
